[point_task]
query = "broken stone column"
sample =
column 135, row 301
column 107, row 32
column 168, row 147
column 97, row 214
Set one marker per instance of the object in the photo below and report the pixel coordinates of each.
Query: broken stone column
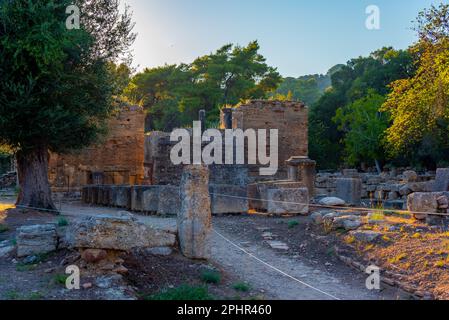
column 194, row 218
column 441, row 180
column 349, row 190
column 303, row 169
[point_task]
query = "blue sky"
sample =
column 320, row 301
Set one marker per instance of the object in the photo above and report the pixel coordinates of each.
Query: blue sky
column 297, row 36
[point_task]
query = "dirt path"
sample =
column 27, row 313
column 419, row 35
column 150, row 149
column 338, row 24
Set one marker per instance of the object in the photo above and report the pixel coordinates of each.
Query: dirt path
column 345, row 285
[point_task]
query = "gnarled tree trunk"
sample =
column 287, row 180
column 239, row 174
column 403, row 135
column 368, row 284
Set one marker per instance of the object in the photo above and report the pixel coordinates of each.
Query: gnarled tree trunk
column 32, row 169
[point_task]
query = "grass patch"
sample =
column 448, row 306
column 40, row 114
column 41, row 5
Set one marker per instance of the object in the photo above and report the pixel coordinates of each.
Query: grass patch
column 211, row 276
column 184, row 292
column 3, row 228
column 293, row 224
column 60, row 278
column 22, row 267
column 35, row 296
column 241, row 286
column 63, row 222
column 12, row 295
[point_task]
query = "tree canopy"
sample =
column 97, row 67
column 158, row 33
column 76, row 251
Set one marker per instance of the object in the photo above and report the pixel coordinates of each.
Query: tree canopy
column 56, row 85
column 173, row 94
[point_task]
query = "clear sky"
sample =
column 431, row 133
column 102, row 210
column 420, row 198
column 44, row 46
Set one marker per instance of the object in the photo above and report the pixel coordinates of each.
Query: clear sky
column 297, row 36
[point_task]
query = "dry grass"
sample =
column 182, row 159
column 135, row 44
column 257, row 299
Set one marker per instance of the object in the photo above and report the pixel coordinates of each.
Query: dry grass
column 422, row 258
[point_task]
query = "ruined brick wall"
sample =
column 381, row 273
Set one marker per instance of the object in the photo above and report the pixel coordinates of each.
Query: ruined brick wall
column 290, row 118
column 117, row 159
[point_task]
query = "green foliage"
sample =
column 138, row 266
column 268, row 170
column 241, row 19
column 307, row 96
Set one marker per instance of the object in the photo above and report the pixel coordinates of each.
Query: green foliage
column 60, row 279
column 184, row 292
column 211, row 276
column 241, row 286
column 293, row 224
column 307, row 89
column 63, row 222
column 364, row 126
column 173, row 94
column 419, row 105
column 356, row 80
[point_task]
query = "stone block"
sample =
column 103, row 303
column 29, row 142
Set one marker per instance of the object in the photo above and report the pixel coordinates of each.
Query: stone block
column 169, row 200
column 441, row 180
column 194, row 219
column 36, row 239
column 349, row 190
column 150, row 199
column 228, row 199
column 116, row 233
column 424, row 202
column 123, row 197
column 288, row 201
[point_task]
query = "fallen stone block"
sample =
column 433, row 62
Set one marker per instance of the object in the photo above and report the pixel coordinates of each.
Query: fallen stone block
column 365, row 235
column 288, row 201
column 317, row 218
column 349, row 190
column 347, row 222
column 410, row 176
column 116, row 233
column 228, row 199
column 36, row 239
column 5, row 248
column 332, row 201
column 424, row 202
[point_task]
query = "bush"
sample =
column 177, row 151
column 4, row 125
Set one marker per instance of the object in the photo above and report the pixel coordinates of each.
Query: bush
column 211, row 276
column 241, row 286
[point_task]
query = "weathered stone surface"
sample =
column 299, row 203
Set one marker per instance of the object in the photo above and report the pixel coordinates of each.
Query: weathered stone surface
column 169, row 200
column 150, row 199
column 137, row 194
column 288, row 201
column 194, row 219
column 116, row 233
column 94, row 255
column 424, row 202
column 410, row 176
column 123, row 197
column 228, row 199
column 365, row 235
column 350, row 190
column 332, row 201
column 160, row 251
column 36, row 239
column 347, row 222
column 5, row 248
column 441, row 180
column 443, row 202
column 350, row 173
column 317, row 218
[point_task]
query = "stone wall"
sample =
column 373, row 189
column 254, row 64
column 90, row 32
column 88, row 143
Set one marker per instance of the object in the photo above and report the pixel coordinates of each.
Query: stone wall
column 391, row 188
column 290, row 118
column 117, row 159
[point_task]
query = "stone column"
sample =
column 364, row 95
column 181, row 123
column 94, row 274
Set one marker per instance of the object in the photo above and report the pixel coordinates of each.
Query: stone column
column 194, row 218
column 441, row 180
column 303, row 169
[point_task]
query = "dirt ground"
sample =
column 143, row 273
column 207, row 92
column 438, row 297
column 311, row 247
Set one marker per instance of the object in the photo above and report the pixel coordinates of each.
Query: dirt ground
column 413, row 252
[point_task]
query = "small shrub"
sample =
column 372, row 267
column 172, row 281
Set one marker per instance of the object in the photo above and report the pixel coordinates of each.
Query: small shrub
column 241, row 286
column 62, row 222
column 60, row 279
column 293, row 224
column 440, row 264
column 35, row 296
column 211, row 276
column 184, row 292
